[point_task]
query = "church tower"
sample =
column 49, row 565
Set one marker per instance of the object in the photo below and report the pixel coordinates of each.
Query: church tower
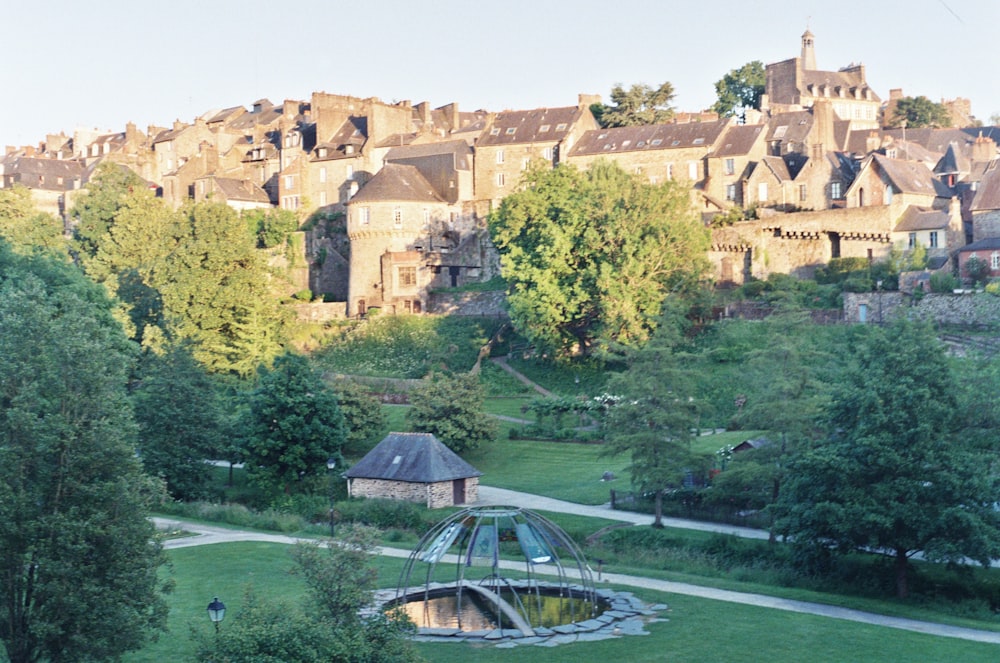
column 808, row 51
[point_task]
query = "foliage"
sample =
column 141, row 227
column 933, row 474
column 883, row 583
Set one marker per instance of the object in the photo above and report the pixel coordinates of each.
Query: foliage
column 783, row 290
column 293, row 425
column 76, row 550
column 976, row 269
column 271, row 226
column 591, row 256
column 740, row 90
column 637, row 105
column 385, row 514
column 363, row 416
column 916, row 112
column 895, row 474
column 451, row 408
column 944, row 282
column 96, row 208
column 24, row 227
column 178, row 411
column 656, row 414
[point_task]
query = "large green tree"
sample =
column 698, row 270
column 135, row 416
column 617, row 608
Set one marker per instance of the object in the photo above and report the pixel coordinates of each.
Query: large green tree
column 918, row 112
column 591, row 256
column 96, row 208
column 293, row 425
column 740, row 90
column 895, row 473
column 635, row 105
column 451, row 408
column 78, row 557
column 24, row 227
column 656, row 414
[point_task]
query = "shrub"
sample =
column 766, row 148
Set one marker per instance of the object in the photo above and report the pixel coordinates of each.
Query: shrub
column 943, row 282
column 382, row 513
column 304, row 295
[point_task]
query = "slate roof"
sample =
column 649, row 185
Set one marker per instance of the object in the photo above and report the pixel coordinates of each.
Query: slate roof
column 911, row 176
column 541, row 125
column 987, row 244
column 36, row 173
column 456, row 147
column 952, row 163
column 397, row 182
column 777, row 166
column 650, row 137
column 245, row 190
column 412, row 457
column 797, row 125
column 988, row 195
column 921, row 218
column 846, row 79
column 738, row 140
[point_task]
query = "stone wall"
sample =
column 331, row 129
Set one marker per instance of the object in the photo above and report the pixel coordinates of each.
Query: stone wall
column 434, row 495
column 978, row 309
column 492, row 303
column 320, row 311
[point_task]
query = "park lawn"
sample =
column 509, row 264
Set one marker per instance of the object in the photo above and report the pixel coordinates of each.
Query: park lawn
column 563, row 470
column 515, row 407
column 709, row 443
column 697, row 630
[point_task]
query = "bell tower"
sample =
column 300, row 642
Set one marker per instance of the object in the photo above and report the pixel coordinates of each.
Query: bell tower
column 808, row 51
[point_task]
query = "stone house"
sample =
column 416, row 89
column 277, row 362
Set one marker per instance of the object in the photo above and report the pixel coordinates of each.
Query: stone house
column 940, row 232
column 796, row 83
column 514, row 139
column 728, row 166
column 985, row 206
column 986, row 250
column 237, row 193
column 415, row 467
column 51, row 181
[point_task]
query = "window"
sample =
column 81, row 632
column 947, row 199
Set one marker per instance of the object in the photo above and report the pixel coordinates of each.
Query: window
column 670, row 171
column 542, row 129
column 835, row 191
column 547, row 154
column 525, row 162
column 762, row 192
column 350, row 172
column 656, row 141
column 499, row 156
column 911, row 241
column 561, row 126
column 510, row 131
column 289, row 181
column 427, row 219
column 934, row 239
column 638, row 170
column 501, row 180
column 290, row 202
column 995, row 261
column 698, row 141
column 322, row 175
column 887, row 196
column 803, row 193
column 322, row 198
column 692, row 170
column 364, row 215
column 495, row 131
column 407, row 277
column 730, row 192
column 730, row 166
column 397, row 217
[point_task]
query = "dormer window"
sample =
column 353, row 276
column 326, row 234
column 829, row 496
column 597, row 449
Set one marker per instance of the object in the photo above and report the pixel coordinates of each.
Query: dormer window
column 699, row 141
column 561, row 126
column 510, row 131
column 495, row 131
column 542, row 129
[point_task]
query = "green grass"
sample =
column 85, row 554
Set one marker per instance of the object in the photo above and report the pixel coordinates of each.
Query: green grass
column 562, row 470
column 509, row 407
column 697, row 630
column 395, row 416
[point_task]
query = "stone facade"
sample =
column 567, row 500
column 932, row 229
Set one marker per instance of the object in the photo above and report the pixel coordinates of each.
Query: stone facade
column 967, row 309
column 435, row 495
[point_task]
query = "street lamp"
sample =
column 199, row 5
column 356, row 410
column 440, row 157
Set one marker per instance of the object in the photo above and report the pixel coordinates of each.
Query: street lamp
column 216, row 612
column 331, row 464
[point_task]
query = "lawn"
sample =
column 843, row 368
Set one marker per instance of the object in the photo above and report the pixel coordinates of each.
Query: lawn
column 697, row 630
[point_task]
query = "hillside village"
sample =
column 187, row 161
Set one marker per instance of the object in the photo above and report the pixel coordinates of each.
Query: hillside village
column 400, row 192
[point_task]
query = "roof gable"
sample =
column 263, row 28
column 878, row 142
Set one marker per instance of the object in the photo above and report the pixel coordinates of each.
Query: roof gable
column 397, row 182
column 412, row 457
column 988, row 195
column 911, row 177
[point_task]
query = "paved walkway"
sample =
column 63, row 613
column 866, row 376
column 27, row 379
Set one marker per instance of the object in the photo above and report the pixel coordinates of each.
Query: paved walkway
column 207, row 535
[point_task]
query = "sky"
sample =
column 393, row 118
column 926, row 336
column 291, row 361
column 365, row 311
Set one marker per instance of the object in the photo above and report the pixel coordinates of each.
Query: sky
column 103, row 63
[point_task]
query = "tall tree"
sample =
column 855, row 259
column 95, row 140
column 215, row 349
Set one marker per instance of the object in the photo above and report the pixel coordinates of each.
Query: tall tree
column 895, row 474
column 638, row 104
column 78, row 557
column 919, row 112
column 590, row 256
column 656, row 414
column 451, row 408
column 293, row 425
column 363, row 415
column 24, row 227
column 95, row 209
column 740, row 90
column 178, row 410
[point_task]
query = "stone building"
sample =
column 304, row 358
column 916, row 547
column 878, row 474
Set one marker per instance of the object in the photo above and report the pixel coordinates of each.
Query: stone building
column 985, row 207
column 730, row 163
column 415, row 467
column 51, row 181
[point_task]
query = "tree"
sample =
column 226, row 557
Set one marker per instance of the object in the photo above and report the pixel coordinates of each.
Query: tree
column 293, row 425
column 271, row 227
column 178, row 411
column 894, row 474
column 639, row 104
column 918, row 112
column 78, row 557
column 740, row 90
column 591, row 256
column 95, row 210
column 451, row 408
column 24, row 227
column 339, row 581
column 656, row 414
column 363, row 415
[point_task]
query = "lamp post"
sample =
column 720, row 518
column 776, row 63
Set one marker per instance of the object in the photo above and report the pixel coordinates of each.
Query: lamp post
column 878, row 285
column 216, row 612
column 331, row 464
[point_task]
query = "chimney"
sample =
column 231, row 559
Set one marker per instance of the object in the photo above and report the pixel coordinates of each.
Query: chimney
column 587, row 100
column 872, row 142
column 178, row 125
column 984, row 149
column 424, row 113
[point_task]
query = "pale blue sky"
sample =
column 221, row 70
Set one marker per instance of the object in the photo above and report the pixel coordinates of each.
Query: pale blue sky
column 103, row 63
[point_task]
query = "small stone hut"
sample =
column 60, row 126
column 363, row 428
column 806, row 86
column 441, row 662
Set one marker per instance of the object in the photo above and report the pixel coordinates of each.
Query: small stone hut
column 415, row 467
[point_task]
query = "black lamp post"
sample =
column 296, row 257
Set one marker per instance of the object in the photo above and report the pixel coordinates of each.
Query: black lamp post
column 216, row 612
column 331, row 464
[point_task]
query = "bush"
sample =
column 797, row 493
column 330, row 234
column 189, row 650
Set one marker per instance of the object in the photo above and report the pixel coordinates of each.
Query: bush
column 943, row 282
column 304, row 295
column 383, row 513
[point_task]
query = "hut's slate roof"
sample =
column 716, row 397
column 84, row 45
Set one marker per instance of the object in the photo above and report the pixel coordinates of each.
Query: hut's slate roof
column 412, row 457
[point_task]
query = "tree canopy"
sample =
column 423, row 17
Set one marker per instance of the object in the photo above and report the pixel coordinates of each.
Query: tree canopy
column 740, row 90
column 638, row 104
column 78, row 556
column 895, row 473
column 591, row 256
column 24, row 227
column 919, row 112
column 451, row 408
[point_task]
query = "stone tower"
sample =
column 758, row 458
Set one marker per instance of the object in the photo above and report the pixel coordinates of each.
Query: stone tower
column 808, row 51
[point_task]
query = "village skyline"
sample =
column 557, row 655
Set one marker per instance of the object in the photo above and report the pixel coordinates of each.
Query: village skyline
column 80, row 67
